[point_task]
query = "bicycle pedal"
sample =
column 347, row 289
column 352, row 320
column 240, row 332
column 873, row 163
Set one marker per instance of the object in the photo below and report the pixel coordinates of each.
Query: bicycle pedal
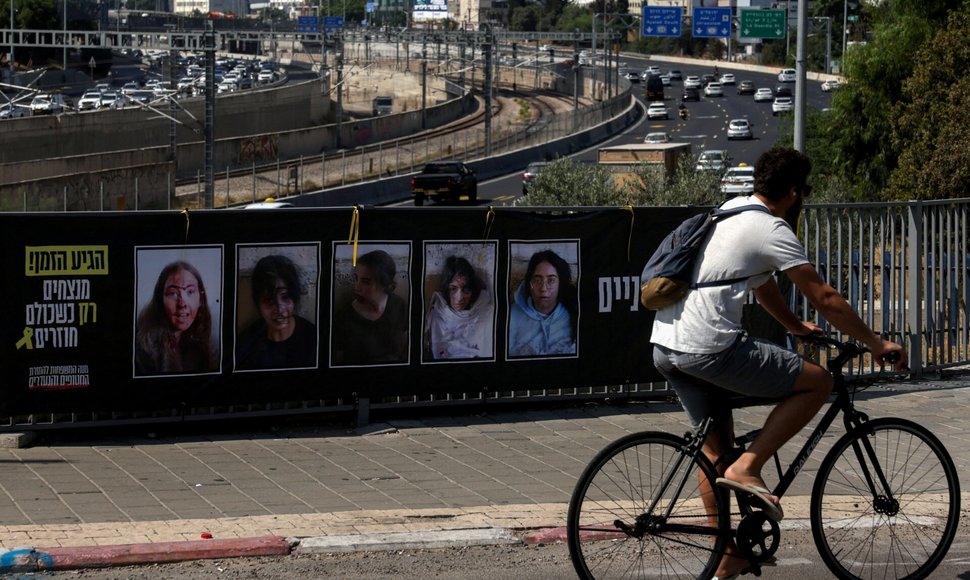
column 754, row 570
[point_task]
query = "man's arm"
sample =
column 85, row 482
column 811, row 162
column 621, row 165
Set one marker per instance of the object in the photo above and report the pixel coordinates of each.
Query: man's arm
column 836, row 310
column 771, row 299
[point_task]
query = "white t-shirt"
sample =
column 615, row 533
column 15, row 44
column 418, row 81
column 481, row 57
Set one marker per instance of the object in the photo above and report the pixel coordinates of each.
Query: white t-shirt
column 751, row 243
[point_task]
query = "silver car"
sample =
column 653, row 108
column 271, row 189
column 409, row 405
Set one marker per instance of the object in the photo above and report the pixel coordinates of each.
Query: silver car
column 739, row 129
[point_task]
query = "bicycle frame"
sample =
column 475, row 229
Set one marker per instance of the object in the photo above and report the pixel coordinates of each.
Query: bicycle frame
column 852, row 419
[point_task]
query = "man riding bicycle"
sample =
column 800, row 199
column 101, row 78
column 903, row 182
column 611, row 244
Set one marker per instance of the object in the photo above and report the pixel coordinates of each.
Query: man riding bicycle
column 701, row 349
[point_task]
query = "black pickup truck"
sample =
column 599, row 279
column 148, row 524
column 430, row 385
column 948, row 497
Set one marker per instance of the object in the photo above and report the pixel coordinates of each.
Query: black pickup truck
column 444, row 180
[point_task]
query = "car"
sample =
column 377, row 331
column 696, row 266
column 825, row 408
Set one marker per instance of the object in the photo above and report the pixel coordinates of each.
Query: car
column 531, row 172
column 14, row 111
column 739, row 129
column 712, row 160
column 108, row 98
column 665, row 80
column 708, row 78
column 265, row 76
column 727, row 79
column 89, row 101
column 675, row 74
column 632, row 76
column 713, row 90
column 738, row 180
column 783, row 91
column 690, row 94
column 268, row 203
column 129, row 86
column 787, row 75
column 692, row 82
column 746, row 88
column 782, row 105
column 48, row 103
column 122, row 101
column 763, row 96
column 656, row 138
column 546, row 48
column 657, row 111
column 831, row 85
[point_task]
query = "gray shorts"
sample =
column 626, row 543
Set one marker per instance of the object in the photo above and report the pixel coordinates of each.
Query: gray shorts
column 705, row 382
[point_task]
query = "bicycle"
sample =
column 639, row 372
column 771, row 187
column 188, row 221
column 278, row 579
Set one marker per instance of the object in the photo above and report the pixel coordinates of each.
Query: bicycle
column 885, row 502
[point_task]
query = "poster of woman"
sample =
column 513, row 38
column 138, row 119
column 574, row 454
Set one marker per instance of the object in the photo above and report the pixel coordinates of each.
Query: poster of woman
column 371, row 304
column 544, row 299
column 277, row 301
column 459, row 301
column 178, row 301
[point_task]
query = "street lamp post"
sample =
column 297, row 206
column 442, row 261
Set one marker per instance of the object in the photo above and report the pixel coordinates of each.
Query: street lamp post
column 845, row 33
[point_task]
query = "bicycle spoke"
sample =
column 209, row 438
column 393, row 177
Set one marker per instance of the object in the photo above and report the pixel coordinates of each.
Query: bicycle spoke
column 638, row 512
column 899, row 531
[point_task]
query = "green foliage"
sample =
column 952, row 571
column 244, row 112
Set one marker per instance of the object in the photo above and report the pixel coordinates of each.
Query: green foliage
column 932, row 117
column 566, row 182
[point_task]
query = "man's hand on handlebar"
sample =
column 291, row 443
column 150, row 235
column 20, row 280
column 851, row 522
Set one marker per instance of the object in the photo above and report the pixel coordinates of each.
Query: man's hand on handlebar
column 889, row 352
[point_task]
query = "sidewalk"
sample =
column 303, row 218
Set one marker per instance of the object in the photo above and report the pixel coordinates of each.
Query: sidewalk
column 491, row 478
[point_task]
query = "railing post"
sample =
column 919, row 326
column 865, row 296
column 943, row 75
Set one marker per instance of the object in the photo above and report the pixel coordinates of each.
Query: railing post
column 914, row 285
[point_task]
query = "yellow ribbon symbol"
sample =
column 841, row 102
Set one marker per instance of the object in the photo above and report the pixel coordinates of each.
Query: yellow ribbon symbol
column 27, row 340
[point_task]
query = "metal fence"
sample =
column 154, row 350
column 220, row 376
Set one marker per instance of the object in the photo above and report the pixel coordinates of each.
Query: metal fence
column 904, row 268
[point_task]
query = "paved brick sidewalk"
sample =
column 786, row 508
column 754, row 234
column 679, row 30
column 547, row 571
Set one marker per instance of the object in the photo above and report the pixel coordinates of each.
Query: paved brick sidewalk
column 509, row 470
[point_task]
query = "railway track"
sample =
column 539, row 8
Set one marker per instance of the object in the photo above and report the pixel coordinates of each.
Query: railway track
column 516, row 117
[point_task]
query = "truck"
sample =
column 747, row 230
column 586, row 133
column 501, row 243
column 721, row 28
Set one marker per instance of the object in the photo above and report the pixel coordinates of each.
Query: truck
column 622, row 160
column 655, row 89
column 444, row 180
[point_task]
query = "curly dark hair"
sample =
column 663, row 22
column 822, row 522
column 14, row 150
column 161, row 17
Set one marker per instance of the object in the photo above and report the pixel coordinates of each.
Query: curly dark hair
column 778, row 170
column 458, row 266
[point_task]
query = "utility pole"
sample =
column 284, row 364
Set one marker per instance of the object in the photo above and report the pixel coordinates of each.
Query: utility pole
column 209, row 42
column 801, row 51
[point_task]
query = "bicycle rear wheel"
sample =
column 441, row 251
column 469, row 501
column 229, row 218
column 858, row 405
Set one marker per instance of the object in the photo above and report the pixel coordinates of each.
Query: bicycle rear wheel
column 900, row 532
column 638, row 512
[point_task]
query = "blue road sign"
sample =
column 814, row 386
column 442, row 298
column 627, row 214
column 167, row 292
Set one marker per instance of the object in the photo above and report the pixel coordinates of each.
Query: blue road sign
column 662, row 20
column 369, row 7
column 711, row 23
column 307, row 24
column 332, row 23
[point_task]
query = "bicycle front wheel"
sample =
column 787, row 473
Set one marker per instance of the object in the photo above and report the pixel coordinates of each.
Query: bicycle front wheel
column 886, row 502
column 638, row 511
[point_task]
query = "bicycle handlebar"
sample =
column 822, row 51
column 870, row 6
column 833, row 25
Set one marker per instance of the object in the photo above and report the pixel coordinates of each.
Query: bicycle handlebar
column 847, row 349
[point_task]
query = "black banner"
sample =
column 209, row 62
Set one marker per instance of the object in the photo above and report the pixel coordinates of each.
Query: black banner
column 151, row 310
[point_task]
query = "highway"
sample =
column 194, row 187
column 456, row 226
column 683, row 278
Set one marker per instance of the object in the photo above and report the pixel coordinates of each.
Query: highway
column 705, row 129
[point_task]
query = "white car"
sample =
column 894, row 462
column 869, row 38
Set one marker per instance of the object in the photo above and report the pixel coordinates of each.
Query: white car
column 89, row 101
column 713, row 90
column 712, row 160
column 108, row 98
column 787, row 75
column 782, row 105
column 45, row 103
column 763, row 96
column 727, row 79
column 14, row 111
column 831, row 85
column 265, row 76
column 739, row 129
column 738, row 180
column 657, row 111
column 652, row 138
column 692, row 82
column 665, row 80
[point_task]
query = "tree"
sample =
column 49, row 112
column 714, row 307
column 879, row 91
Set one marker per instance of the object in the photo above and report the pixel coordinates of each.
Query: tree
column 932, row 117
column 565, row 183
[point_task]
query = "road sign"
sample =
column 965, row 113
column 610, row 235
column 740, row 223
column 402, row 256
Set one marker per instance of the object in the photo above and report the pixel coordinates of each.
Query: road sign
column 763, row 23
column 711, row 23
column 662, row 20
column 307, row 24
column 332, row 23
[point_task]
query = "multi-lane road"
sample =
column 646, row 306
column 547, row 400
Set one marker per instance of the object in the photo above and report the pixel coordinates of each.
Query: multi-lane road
column 706, row 127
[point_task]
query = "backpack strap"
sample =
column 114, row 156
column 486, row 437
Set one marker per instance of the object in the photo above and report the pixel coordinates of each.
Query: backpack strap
column 718, row 214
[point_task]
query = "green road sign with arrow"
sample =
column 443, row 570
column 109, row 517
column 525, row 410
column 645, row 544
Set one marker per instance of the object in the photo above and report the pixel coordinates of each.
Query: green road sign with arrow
column 763, row 23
